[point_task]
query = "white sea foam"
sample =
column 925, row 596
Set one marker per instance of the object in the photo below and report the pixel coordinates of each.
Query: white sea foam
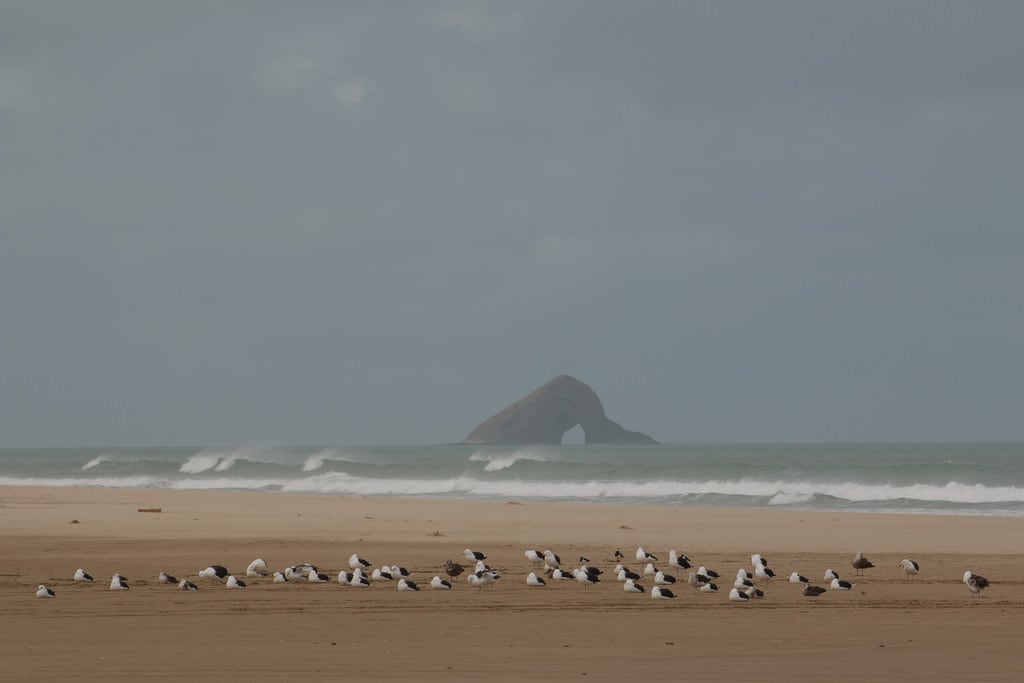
column 502, row 461
column 220, row 461
column 97, row 461
column 317, row 460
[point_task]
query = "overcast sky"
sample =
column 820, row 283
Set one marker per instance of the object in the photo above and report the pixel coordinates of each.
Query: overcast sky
column 382, row 222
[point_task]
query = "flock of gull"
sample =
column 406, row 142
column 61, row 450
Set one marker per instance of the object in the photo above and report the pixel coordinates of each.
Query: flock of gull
column 360, row 574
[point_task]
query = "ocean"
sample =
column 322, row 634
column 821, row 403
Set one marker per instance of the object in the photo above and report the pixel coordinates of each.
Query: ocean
column 972, row 479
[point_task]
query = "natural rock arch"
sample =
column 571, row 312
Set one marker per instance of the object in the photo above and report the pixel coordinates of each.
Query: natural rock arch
column 544, row 416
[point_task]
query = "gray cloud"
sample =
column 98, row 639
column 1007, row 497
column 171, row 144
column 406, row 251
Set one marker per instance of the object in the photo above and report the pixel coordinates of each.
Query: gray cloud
column 382, row 222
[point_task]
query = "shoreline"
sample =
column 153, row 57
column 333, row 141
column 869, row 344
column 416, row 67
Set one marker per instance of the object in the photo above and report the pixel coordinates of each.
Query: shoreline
column 887, row 627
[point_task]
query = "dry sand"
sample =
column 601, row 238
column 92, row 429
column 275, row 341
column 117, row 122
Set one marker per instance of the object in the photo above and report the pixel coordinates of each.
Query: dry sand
column 885, row 629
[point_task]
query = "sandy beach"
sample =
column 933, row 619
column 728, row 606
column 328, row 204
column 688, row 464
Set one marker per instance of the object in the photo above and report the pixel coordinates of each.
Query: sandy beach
column 887, row 628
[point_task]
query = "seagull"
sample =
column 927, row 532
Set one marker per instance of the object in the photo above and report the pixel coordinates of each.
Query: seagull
column 439, row 583
column 742, row 581
column 560, row 574
column 813, row 591
column 860, row 563
column 743, row 575
column 830, row 574
column 407, row 585
column 736, row 595
column 624, row 575
column 709, row 573
column 757, row 559
column 359, row 581
column 344, row 578
column 187, row 585
column 232, row 582
column 44, row 592
column 631, row 586
column 678, row 561
column 280, row 578
column 317, row 577
column 840, row 585
column 167, row 579
column 118, row 583
column 80, row 575
column 398, row 571
column 975, row 583
column 649, row 570
column 381, row 574
column 587, row 578
column 697, row 580
column 754, row 592
column 663, row 593
column 762, row 571
column 356, row 561
column 644, row 556
column 534, row 580
column 798, row 578
column 453, row 569
column 709, row 588
column 473, row 555
column 481, row 579
column 534, row 556
column 552, row 560
column 257, row 567
column 214, row 571
column 663, row 579
column 619, row 555
column 909, row 567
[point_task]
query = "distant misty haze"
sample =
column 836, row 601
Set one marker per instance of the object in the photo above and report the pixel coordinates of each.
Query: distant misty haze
column 381, row 223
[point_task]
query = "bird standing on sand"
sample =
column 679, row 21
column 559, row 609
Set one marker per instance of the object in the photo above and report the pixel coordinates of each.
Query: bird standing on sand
column 44, row 592
column 118, row 583
column 80, row 575
column 796, row 577
column 438, row 583
column 975, row 583
column 533, row 580
column 909, row 567
column 860, row 563
column 473, row 555
column 232, row 582
column 453, row 569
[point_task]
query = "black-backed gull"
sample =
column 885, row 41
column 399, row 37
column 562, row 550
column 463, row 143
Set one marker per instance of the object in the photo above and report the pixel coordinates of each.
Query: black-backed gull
column 533, row 580
column 975, row 583
column 257, row 567
column 909, row 567
column 662, row 593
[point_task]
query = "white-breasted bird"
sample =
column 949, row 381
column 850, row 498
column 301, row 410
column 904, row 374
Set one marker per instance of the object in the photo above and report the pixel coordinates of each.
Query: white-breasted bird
column 533, row 580
column 440, row 584
column 80, row 575
column 659, row 592
column 44, row 592
column 909, row 568
column 258, row 567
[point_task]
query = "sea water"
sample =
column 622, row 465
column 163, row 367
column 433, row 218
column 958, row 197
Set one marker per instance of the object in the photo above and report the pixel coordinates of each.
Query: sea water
column 976, row 479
